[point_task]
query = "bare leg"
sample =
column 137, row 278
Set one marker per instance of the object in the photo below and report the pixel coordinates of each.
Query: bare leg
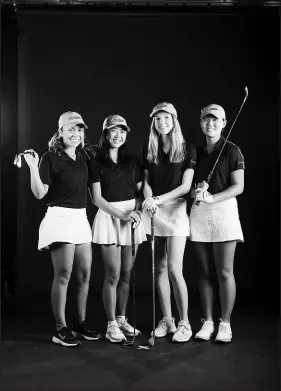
column 123, row 287
column 204, row 258
column 162, row 278
column 175, row 252
column 111, row 255
column 224, row 259
column 62, row 258
column 83, row 259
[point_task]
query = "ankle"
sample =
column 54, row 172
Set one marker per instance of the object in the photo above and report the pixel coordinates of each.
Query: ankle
column 112, row 323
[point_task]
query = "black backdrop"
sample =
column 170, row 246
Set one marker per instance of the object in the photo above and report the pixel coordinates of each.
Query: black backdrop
column 99, row 64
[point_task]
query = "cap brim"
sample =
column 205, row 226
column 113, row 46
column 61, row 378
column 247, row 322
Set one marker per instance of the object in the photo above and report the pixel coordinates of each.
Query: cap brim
column 156, row 111
column 122, row 125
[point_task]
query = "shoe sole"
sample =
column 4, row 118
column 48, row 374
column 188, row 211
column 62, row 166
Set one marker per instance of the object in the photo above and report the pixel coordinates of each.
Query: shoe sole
column 164, row 335
column 130, row 335
column 205, row 339
column 65, row 344
column 185, row 340
column 223, row 340
column 78, row 335
column 114, row 340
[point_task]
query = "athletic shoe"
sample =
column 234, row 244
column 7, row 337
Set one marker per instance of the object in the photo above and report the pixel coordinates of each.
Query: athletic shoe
column 165, row 326
column 224, row 333
column 82, row 331
column 66, row 337
column 114, row 334
column 126, row 328
column 207, row 330
column 183, row 332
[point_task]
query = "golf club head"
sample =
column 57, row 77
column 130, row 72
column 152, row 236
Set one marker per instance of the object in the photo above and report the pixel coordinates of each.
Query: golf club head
column 151, row 341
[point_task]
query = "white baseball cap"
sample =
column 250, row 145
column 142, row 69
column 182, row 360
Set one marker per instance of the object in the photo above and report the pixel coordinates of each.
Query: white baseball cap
column 71, row 118
column 213, row 109
column 164, row 106
column 115, row 120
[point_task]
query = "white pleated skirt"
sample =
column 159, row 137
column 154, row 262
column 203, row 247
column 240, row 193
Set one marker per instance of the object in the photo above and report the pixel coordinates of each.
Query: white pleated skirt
column 218, row 222
column 64, row 225
column 170, row 220
column 108, row 229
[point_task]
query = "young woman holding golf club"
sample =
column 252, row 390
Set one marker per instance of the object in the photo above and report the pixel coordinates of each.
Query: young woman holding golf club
column 62, row 176
column 214, row 219
column 115, row 180
column 168, row 163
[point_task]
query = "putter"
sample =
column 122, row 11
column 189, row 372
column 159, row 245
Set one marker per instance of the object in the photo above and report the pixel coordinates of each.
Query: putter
column 152, row 339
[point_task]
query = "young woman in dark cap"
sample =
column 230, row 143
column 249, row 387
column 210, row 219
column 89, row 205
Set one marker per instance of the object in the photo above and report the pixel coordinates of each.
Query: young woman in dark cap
column 116, row 180
column 62, row 178
column 169, row 164
column 215, row 224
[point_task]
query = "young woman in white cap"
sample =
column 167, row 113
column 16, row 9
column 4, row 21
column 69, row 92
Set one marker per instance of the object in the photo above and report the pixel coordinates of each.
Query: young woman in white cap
column 62, row 177
column 116, row 180
column 215, row 224
column 169, row 164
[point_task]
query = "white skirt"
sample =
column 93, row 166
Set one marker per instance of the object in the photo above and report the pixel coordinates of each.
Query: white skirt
column 64, row 225
column 218, row 222
column 170, row 220
column 108, row 229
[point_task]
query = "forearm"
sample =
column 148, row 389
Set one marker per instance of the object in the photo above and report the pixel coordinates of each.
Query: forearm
column 37, row 186
column 231, row 191
column 104, row 205
column 180, row 191
column 147, row 191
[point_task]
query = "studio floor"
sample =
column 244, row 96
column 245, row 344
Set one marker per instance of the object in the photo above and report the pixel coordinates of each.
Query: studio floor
column 32, row 362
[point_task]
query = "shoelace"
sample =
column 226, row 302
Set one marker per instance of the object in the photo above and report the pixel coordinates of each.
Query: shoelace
column 222, row 328
column 182, row 328
column 206, row 324
column 113, row 329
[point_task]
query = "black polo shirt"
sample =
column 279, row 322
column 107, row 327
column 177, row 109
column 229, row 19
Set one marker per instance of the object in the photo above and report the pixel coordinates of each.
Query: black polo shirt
column 118, row 181
column 67, row 179
column 230, row 160
column 166, row 176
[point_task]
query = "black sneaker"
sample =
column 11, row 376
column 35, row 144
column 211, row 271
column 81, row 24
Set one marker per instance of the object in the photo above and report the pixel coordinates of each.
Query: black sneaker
column 66, row 337
column 81, row 331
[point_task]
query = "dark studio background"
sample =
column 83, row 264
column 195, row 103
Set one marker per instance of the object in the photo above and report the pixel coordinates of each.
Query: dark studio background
column 104, row 60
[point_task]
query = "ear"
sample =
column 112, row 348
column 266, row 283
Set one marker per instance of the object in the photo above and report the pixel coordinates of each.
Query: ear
column 224, row 123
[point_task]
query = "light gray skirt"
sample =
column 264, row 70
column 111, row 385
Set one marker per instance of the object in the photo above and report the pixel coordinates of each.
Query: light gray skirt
column 64, row 225
column 170, row 220
column 108, row 229
column 218, row 222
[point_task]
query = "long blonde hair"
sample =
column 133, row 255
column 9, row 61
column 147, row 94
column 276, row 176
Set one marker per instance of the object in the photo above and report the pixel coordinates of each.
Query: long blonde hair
column 177, row 143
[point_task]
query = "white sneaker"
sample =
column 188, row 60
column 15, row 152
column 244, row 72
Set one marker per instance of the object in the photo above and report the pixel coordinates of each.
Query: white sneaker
column 224, row 333
column 114, row 334
column 183, row 332
column 126, row 328
column 165, row 326
column 206, row 331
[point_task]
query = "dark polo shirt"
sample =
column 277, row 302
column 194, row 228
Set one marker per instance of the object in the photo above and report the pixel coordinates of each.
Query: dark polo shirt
column 166, row 176
column 230, row 160
column 67, row 179
column 118, row 181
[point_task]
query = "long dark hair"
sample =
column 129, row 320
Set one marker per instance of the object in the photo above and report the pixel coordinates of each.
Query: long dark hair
column 103, row 155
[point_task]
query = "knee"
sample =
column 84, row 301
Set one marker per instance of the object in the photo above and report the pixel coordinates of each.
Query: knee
column 175, row 274
column 125, row 276
column 225, row 274
column 62, row 277
column 112, row 278
column 83, row 276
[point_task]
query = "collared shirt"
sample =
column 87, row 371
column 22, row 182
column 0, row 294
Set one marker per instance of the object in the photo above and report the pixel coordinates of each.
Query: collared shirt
column 166, row 176
column 231, row 159
column 118, row 181
column 67, row 179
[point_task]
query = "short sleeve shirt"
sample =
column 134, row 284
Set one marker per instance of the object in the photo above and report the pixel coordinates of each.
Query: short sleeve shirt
column 230, row 160
column 67, row 179
column 166, row 176
column 118, row 181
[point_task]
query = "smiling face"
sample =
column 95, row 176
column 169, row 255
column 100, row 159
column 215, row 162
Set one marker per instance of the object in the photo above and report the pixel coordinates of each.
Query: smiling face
column 72, row 135
column 116, row 136
column 163, row 122
column 212, row 126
